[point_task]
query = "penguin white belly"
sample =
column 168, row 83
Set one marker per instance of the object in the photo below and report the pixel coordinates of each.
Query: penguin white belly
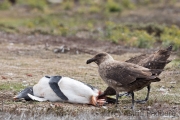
column 43, row 90
column 76, row 91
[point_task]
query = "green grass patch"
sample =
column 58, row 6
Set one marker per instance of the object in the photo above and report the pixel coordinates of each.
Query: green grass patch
column 34, row 4
column 4, row 5
column 11, row 86
column 171, row 36
column 112, row 6
column 143, row 35
column 175, row 64
column 128, row 36
column 68, row 5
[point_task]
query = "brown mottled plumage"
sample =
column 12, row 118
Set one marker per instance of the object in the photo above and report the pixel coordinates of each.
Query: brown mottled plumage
column 123, row 76
column 13, row 2
column 157, row 60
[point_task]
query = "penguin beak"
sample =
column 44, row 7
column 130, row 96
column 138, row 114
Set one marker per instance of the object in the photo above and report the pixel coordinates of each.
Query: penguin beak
column 15, row 98
column 91, row 60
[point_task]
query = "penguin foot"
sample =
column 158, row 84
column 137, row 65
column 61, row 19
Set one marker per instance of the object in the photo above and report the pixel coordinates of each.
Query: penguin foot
column 101, row 102
column 93, row 100
column 97, row 102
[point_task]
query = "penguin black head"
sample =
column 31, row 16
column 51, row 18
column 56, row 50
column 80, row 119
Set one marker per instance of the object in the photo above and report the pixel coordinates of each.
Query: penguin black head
column 23, row 94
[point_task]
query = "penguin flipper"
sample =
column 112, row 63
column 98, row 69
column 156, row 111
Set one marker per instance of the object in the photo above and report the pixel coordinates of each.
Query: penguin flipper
column 54, row 86
column 36, row 98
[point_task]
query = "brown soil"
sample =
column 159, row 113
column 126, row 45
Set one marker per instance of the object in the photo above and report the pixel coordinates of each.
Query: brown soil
column 71, row 44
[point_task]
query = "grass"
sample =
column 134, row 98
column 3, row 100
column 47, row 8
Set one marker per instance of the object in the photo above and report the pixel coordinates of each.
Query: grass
column 175, row 64
column 17, row 68
column 10, row 86
column 95, row 19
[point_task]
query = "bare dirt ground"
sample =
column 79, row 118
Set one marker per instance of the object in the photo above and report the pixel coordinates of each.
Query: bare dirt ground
column 27, row 58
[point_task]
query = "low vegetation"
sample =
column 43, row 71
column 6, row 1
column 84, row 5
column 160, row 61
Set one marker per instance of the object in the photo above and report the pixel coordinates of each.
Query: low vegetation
column 16, row 87
column 90, row 19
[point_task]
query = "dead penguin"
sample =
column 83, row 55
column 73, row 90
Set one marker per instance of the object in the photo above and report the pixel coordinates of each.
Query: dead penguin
column 123, row 76
column 157, row 60
column 58, row 88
